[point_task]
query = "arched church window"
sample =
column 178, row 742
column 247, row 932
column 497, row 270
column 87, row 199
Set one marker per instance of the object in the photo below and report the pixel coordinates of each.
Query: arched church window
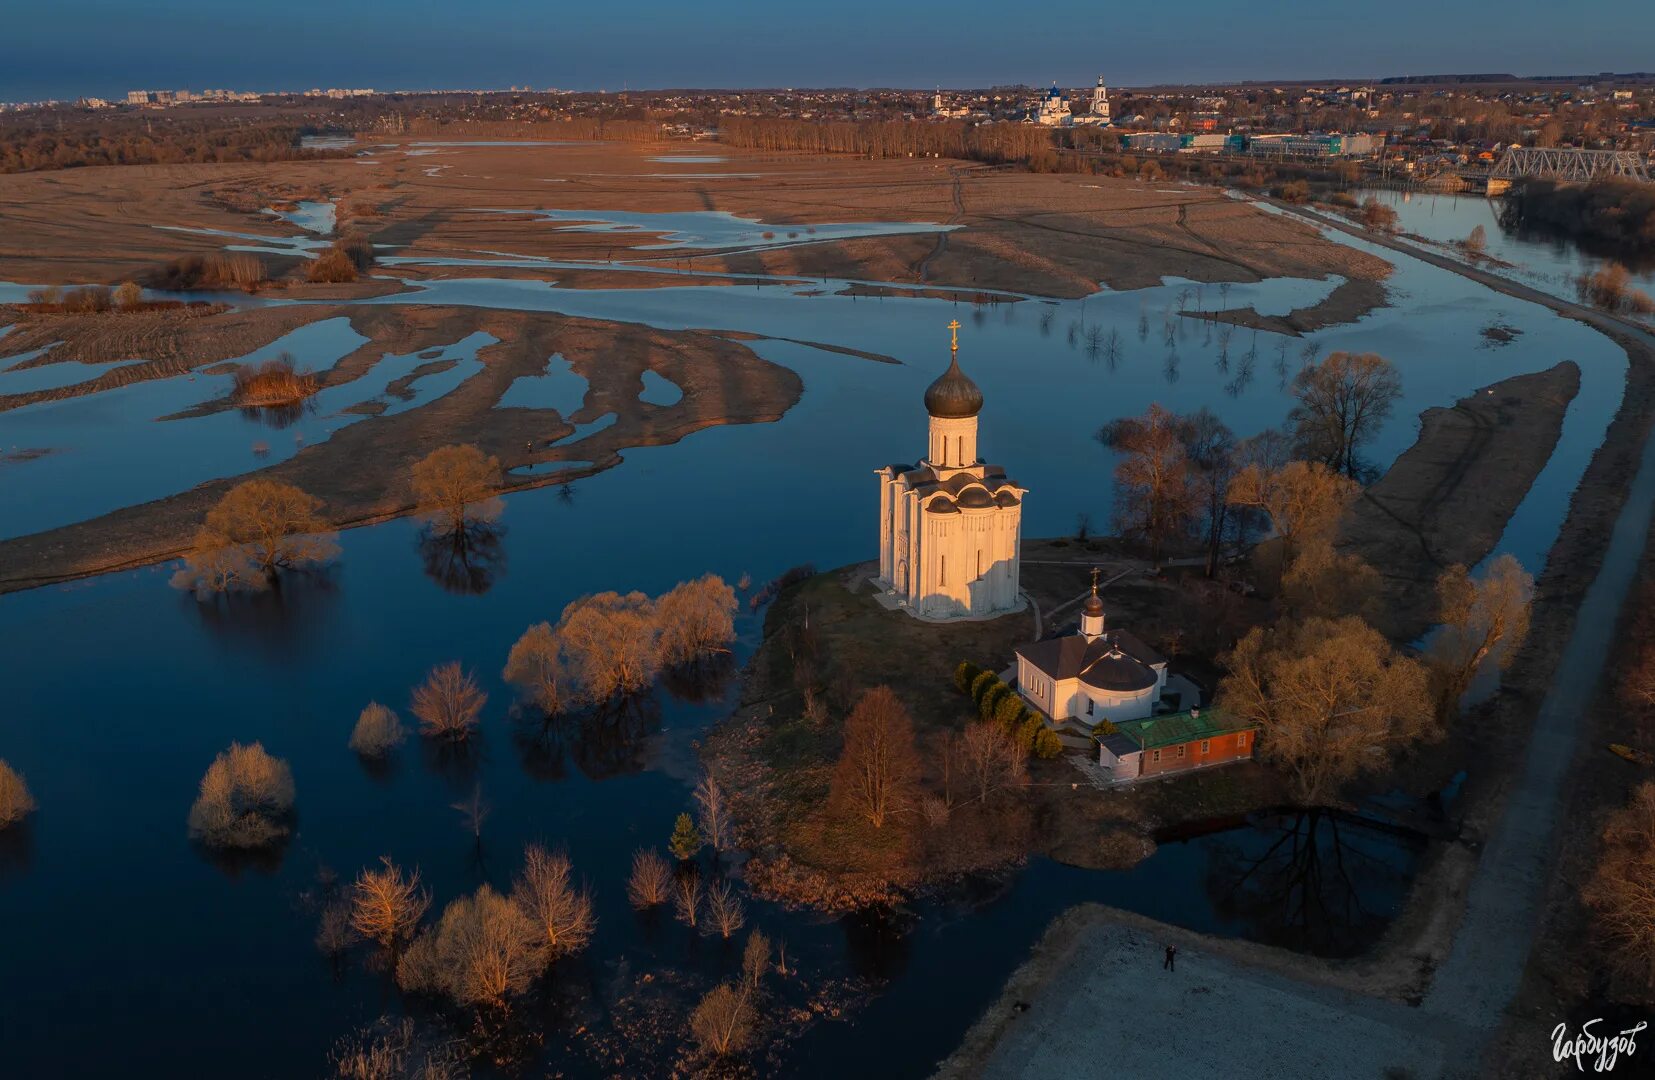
column 942, row 569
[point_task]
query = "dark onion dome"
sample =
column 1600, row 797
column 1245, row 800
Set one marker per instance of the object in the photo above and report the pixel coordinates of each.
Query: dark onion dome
column 1094, row 605
column 953, row 396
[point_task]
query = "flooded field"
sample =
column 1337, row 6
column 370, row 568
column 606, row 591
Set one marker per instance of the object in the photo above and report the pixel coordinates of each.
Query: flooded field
column 161, row 683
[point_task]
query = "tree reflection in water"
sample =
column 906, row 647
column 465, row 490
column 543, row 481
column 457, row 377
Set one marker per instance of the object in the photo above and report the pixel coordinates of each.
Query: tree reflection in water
column 280, row 416
column 464, row 561
column 1319, row 881
column 290, row 614
column 877, row 941
column 603, row 742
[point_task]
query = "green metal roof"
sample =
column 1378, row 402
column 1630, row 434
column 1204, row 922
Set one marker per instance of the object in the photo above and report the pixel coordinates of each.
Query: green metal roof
column 1174, row 728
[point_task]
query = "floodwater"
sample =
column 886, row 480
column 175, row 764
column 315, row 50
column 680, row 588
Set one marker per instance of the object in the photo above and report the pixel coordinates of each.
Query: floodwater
column 718, row 229
column 126, row 689
column 1541, row 260
column 319, row 217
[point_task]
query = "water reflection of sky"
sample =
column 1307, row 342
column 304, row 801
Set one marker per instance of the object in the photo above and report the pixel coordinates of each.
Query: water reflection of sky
column 114, row 449
column 1548, row 263
column 115, row 764
column 718, row 229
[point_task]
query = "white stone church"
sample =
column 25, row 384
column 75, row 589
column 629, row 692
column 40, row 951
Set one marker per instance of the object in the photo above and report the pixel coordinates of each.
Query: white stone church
column 950, row 526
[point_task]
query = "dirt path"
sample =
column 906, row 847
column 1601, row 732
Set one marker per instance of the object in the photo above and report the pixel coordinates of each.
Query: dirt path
column 1448, row 498
column 924, row 273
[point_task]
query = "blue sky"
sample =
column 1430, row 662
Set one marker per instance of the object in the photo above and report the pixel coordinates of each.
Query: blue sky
column 64, row 48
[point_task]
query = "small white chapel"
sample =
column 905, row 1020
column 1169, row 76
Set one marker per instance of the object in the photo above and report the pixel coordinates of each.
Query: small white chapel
column 950, row 526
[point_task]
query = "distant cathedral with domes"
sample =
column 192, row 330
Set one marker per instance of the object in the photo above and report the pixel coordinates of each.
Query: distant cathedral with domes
column 950, row 526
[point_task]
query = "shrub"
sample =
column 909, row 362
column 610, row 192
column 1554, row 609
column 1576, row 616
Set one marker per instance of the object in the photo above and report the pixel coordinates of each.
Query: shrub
column 483, row 950
column 377, row 731
column 695, row 621
column 1046, row 743
column 996, row 692
column 15, row 801
column 274, row 382
column 651, row 882
column 239, row 271
column 128, row 296
column 245, row 801
column 1025, row 735
column 387, row 907
column 448, row 702
column 331, row 267
column 980, row 685
column 1009, row 713
column 965, row 674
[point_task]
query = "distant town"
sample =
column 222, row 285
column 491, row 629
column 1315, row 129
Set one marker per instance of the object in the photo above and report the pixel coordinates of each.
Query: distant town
column 1411, row 126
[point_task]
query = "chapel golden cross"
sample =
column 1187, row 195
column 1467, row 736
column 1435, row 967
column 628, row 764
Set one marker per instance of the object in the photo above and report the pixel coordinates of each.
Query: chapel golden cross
column 954, row 335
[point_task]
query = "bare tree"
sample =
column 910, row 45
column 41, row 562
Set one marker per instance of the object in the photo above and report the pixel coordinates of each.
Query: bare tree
column 245, row 801
column 713, row 812
column 538, row 668
column 482, row 951
column 876, row 773
column 377, row 731
column 260, row 527
column 651, row 882
column 725, row 910
column 1210, row 448
column 991, row 761
column 1152, row 484
column 1622, row 889
column 15, row 801
column 1484, row 621
column 387, row 907
column 547, row 894
column 1324, row 581
column 1330, row 697
column 755, row 959
column 1304, row 500
column 610, row 642
column 456, row 485
column 1341, row 404
column 686, row 898
column 474, row 812
column 695, row 620
column 448, row 703
column 723, row 1023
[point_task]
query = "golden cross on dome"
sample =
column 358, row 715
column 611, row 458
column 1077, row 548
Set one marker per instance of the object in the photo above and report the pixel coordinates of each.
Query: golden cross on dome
column 1094, row 581
column 954, row 335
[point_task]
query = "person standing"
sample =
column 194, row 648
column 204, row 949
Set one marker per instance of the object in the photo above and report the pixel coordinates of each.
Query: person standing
column 1172, row 954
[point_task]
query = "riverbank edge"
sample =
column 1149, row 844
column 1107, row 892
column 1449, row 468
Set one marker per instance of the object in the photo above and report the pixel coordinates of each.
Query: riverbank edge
column 1401, row 965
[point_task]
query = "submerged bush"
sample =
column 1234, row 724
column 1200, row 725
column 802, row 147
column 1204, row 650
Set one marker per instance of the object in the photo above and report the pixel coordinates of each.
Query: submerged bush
column 245, row 801
column 377, row 731
column 15, row 801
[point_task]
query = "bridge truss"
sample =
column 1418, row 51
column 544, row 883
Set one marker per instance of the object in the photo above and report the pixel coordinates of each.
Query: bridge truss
column 1522, row 163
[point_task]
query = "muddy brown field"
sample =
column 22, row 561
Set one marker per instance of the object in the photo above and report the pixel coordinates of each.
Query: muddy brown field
column 1017, row 234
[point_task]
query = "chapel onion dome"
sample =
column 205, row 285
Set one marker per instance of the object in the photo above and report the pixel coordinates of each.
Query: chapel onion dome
column 953, row 396
column 1094, row 605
